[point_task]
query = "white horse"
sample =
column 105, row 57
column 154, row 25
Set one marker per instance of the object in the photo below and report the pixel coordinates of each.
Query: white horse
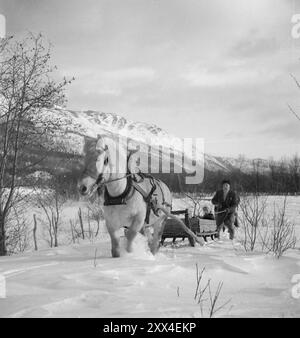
column 127, row 202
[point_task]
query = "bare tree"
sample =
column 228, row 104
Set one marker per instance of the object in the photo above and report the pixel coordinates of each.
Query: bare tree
column 17, row 240
column 26, row 89
column 94, row 214
column 51, row 203
column 294, row 168
column 281, row 232
column 272, row 231
column 253, row 217
column 256, row 172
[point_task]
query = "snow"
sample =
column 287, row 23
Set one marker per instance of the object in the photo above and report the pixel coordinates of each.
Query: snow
column 71, row 282
column 83, row 280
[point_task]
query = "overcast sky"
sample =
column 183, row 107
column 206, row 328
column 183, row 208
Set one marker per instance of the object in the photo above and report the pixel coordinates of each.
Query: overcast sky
column 214, row 69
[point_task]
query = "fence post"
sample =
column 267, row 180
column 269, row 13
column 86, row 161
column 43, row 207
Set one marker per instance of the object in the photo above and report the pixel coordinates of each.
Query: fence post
column 81, row 222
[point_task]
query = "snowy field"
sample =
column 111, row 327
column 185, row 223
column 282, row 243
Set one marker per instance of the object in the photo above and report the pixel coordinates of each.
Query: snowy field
column 292, row 208
column 82, row 280
column 71, row 282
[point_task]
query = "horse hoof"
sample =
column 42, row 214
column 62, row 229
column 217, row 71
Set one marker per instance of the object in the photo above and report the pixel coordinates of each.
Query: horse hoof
column 115, row 254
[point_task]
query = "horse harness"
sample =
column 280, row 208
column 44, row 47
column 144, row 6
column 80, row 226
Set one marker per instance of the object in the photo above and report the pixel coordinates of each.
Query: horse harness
column 132, row 186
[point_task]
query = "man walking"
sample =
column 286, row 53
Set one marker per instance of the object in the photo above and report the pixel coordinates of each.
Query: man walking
column 226, row 202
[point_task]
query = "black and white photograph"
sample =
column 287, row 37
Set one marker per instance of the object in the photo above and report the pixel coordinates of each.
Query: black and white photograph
column 149, row 161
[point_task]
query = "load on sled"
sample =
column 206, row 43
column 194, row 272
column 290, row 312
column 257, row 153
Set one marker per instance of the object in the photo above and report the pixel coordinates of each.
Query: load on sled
column 208, row 224
column 202, row 226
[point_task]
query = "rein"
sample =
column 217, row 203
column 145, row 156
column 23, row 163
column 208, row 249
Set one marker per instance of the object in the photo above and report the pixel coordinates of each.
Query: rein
column 220, row 212
column 97, row 184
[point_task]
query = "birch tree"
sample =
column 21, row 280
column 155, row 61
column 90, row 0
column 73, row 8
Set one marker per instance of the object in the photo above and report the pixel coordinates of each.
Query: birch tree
column 26, row 90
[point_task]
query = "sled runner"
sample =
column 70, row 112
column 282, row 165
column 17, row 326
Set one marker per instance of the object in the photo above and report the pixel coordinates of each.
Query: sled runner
column 173, row 230
column 203, row 227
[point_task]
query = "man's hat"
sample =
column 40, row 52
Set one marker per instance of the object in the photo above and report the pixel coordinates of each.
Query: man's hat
column 226, row 181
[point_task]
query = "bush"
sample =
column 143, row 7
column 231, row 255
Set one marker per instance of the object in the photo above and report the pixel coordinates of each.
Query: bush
column 281, row 232
column 273, row 232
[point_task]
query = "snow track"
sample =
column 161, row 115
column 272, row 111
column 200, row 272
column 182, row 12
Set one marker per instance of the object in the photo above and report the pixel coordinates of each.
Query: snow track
column 70, row 282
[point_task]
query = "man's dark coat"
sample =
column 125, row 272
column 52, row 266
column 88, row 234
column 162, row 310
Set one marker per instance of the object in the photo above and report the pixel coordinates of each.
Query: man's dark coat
column 228, row 205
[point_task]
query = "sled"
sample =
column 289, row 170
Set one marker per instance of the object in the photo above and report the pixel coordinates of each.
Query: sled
column 174, row 230
column 201, row 227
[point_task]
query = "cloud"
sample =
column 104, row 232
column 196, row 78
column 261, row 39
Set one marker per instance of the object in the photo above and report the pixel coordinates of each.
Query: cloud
column 255, row 46
column 111, row 82
column 287, row 129
column 215, row 69
column 230, row 73
column 130, row 74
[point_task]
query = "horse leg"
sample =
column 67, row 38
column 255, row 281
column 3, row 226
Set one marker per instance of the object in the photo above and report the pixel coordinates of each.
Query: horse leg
column 132, row 232
column 115, row 242
column 148, row 234
column 158, row 227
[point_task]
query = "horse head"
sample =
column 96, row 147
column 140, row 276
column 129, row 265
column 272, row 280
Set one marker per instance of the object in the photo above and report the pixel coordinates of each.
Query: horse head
column 97, row 164
column 105, row 158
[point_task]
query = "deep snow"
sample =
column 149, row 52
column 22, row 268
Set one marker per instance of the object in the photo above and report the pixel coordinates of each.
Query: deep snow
column 70, row 282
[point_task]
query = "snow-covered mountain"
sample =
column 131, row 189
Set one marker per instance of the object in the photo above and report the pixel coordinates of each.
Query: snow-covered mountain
column 76, row 125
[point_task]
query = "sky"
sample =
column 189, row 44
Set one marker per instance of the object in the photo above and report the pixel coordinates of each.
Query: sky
column 214, row 69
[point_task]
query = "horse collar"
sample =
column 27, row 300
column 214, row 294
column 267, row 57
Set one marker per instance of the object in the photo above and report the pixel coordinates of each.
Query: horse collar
column 121, row 199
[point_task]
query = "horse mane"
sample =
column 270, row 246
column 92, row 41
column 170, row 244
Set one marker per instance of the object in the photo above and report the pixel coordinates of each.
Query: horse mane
column 109, row 140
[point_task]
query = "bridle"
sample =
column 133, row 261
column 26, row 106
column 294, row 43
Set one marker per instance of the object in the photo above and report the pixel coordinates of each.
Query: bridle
column 99, row 183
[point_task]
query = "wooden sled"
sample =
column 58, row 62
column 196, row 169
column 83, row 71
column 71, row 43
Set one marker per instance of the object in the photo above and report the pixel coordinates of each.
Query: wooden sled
column 201, row 227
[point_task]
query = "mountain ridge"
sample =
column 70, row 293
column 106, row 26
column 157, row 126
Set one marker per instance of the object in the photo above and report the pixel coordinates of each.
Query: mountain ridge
column 93, row 123
column 76, row 125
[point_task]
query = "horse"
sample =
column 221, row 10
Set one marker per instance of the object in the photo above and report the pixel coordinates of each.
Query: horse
column 132, row 201
column 136, row 201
